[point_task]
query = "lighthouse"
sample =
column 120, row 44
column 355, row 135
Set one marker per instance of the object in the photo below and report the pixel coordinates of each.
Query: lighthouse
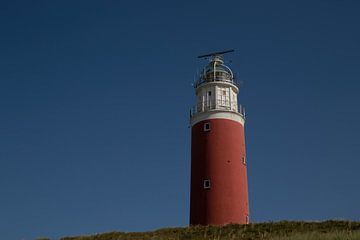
column 219, row 189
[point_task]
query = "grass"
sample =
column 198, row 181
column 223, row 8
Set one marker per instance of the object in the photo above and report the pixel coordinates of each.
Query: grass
column 284, row 230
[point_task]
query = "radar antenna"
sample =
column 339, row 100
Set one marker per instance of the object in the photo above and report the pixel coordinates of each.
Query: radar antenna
column 216, row 53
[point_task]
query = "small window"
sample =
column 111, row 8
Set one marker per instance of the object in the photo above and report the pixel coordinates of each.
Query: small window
column 206, row 127
column 209, row 93
column 224, row 92
column 207, row 184
column 247, row 220
column 244, row 160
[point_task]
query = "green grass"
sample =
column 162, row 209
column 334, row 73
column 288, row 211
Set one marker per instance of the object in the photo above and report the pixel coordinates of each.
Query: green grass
column 284, row 230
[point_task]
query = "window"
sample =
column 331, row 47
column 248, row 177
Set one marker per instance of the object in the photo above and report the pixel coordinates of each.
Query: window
column 209, row 93
column 207, row 184
column 247, row 220
column 244, row 159
column 223, row 98
column 206, row 127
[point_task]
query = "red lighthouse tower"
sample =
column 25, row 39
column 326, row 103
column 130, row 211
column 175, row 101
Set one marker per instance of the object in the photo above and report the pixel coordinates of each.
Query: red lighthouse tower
column 219, row 192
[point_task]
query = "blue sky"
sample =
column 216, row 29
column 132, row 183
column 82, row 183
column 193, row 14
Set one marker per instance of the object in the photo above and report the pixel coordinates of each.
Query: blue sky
column 95, row 99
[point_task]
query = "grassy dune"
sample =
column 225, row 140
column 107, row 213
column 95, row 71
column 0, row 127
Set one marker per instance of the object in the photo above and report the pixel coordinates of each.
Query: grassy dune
column 284, row 230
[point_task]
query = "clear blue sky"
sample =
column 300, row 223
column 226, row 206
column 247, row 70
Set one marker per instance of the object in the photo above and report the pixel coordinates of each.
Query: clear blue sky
column 95, row 99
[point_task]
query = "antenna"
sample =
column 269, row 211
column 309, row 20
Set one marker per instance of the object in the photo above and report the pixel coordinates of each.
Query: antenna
column 216, row 53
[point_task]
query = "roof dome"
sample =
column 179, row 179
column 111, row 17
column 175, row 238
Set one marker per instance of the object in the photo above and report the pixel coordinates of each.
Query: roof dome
column 215, row 71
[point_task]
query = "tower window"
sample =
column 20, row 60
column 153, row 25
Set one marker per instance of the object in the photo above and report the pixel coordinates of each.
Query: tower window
column 209, row 93
column 247, row 220
column 206, row 184
column 243, row 159
column 206, row 127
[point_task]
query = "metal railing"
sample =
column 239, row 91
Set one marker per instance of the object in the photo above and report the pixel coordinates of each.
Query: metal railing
column 217, row 78
column 218, row 105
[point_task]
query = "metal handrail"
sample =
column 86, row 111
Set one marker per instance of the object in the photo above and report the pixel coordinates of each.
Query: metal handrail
column 215, row 79
column 221, row 105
